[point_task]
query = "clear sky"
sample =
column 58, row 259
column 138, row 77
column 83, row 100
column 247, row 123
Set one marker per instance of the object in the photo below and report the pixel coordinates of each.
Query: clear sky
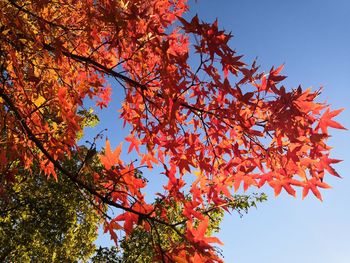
column 312, row 38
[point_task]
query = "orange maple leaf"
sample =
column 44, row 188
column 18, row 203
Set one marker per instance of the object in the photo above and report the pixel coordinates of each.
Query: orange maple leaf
column 326, row 121
column 109, row 158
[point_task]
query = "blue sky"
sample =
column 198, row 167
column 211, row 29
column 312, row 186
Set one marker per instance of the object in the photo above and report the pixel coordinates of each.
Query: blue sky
column 312, row 38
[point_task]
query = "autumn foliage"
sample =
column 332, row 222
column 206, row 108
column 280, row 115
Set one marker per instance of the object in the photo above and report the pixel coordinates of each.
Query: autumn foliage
column 225, row 122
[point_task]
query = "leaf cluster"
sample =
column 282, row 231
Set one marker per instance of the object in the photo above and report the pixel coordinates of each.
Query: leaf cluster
column 46, row 221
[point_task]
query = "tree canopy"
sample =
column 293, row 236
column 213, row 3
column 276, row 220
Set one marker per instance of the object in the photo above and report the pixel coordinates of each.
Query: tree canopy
column 223, row 123
column 46, row 221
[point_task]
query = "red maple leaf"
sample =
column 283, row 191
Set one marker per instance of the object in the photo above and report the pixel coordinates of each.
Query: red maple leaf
column 326, row 121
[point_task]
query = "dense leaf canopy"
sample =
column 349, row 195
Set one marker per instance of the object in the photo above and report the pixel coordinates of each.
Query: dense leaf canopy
column 46, row 221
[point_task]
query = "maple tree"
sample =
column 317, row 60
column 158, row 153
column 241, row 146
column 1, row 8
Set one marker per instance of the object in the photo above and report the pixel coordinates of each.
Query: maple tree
column 140, row 246
column 223, row 121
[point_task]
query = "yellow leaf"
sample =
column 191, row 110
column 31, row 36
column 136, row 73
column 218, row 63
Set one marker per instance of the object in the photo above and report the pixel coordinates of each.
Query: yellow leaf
column 5, row 32
column 197, row 173
column 39, row 101
column 37, row 72
column 54, row 126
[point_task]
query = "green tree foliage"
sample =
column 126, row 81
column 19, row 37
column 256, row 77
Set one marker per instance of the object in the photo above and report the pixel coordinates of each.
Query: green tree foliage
column 107, row 254
column 46, row 221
